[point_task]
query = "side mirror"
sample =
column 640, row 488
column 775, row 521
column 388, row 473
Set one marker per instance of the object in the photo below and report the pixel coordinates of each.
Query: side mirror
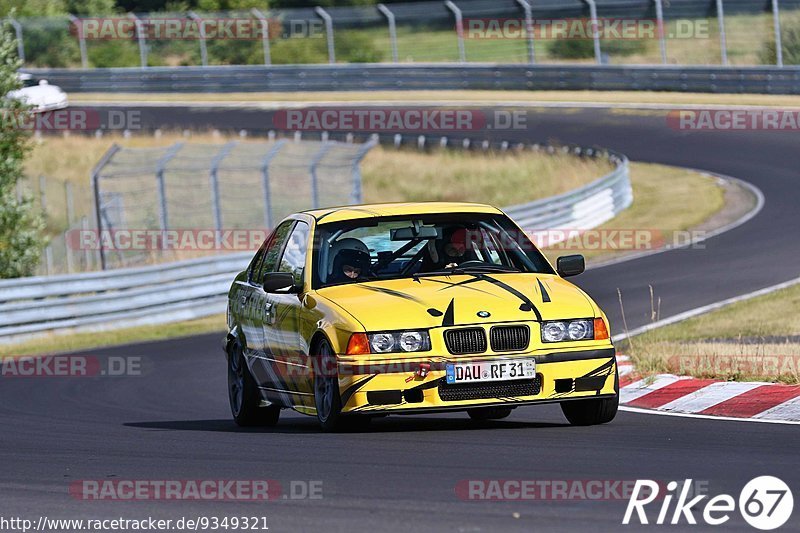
column 275, row 281
column 570, row 265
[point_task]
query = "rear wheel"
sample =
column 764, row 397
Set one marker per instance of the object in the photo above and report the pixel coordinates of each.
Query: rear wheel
column 243, row 394
column 489, row 413
column 326, row 389
column 592, row 411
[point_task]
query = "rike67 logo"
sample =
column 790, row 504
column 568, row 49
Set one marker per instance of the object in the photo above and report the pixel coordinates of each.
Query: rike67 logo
column 765, row 503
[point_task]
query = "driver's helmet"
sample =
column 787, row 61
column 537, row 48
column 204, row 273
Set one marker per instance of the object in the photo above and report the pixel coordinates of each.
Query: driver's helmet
column 355, row 261
column 348, row 243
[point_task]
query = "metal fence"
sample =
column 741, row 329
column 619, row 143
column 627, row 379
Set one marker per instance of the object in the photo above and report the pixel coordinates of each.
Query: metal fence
column 240, row 185
column 735, row 32
column 196, row 288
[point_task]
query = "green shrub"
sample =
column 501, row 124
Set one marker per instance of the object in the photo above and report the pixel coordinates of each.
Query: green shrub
column 584, row 48
column 790, row 43
column 21, row 228
column 113, row 54
column 356, row 47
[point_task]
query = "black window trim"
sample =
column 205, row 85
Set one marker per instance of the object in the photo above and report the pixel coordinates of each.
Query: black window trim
column 280, row 252
column 286, row 242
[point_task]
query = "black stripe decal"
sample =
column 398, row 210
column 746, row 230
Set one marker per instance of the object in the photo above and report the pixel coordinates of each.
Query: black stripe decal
column 561, row 357
column 464, row 284
column 449, row 315
column 429, row 385
column 527, row 305
column 391, row 292
column 603, row 370
column 353, row 388
column 545, row 295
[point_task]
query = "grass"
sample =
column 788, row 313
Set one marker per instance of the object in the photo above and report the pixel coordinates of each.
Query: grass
column 774, row 314
column 756, row 350
column 497, row 178
column 83, row 341
column 451, row 97
column 666, row 200
column 728, row 361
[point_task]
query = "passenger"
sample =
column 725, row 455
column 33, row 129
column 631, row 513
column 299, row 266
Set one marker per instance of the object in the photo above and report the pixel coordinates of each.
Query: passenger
column 453, row 253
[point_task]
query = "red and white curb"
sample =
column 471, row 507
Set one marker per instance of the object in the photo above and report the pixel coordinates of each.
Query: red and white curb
column 667, row 393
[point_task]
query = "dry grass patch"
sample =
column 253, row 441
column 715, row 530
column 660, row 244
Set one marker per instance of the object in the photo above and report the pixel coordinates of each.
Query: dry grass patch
column 763, row 343
column 665, row 200
column 498, row 178
column 729, row 361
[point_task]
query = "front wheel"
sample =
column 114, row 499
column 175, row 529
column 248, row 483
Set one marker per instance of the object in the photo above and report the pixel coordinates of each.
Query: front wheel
column 592, row 411
column 326, row 389
column 243, row 394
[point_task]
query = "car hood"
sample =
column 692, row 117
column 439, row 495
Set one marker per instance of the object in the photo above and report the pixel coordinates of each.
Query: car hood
column 458, row 300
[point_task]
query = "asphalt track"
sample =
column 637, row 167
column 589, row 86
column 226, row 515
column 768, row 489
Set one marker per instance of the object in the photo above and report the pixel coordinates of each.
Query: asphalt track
column 173, row 422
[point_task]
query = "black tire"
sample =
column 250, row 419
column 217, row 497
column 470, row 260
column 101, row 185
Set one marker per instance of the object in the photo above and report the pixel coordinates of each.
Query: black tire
column 489, row 413
column 243, row 394
column 326, row 389
column 592, row 411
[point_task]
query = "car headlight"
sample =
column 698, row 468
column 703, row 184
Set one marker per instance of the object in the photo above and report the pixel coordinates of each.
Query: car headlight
column 567, row 330
column 399, row 341
column 382, row 342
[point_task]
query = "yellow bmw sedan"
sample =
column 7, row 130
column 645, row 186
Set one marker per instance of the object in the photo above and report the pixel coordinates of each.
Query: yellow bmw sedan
column 354, row 312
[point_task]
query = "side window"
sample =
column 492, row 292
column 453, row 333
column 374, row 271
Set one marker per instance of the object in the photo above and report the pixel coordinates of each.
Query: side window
column 294, row 255
column 258, row 260
column 269, row 257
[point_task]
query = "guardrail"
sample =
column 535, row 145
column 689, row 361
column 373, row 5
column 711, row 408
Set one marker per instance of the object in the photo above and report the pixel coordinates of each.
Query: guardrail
column 196, row 288
column 583, row 208
column 292, row 78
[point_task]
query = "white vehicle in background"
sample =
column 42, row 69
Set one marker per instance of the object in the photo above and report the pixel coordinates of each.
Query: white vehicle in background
column 39, row 94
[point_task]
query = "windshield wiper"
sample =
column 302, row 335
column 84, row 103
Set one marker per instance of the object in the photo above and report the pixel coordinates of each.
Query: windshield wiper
column 447, row 272
column 489, row 268
column 467, row 269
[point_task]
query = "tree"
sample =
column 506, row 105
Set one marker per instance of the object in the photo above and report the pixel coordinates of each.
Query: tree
column 20, row 226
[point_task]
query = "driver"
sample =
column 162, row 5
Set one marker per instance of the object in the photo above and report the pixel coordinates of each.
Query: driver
column 350, row 265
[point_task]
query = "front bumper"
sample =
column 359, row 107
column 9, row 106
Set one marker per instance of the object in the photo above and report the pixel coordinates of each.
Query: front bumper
column 395, row 386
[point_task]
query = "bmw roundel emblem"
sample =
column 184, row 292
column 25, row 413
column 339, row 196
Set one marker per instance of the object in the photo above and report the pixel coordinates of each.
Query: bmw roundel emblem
column 484, row 314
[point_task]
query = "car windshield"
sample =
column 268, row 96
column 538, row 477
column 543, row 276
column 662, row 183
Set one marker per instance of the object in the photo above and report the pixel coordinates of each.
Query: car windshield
column 422, row 245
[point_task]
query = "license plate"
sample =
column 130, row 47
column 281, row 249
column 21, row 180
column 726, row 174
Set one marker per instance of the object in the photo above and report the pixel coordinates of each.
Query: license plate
column 501, row 370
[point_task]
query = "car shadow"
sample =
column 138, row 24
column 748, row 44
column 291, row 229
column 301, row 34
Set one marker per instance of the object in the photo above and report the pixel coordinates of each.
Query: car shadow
column 390, row 425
